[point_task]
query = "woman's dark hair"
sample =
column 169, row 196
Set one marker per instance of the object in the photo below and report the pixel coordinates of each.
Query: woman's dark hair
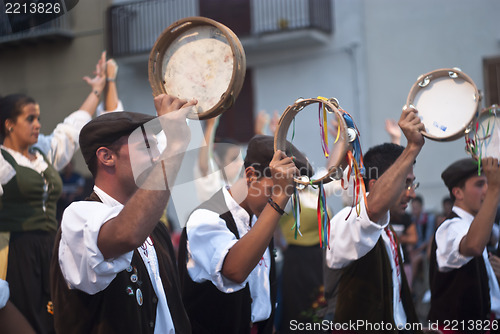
column 11, row 106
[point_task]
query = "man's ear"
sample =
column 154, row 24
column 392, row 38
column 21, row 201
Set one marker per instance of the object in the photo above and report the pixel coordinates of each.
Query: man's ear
column 105, row 156
column 250, row 174
column 458, row 193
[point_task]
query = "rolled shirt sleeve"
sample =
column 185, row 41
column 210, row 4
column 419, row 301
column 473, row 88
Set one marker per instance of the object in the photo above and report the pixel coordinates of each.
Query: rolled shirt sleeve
column 209, row 241
column 448, row 237
column 82, row 263
column 353, row 237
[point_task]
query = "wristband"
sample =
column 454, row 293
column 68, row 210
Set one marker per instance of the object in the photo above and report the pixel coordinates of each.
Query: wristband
column 275, row 206
column 110, row 79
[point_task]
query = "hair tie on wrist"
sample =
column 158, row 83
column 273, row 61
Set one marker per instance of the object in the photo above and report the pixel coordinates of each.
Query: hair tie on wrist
column 110, row 79
column 275, row 206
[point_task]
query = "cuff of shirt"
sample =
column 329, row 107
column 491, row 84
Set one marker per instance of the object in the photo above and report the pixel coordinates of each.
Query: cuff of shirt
column 222, row 283
column 449, row 257
column 85, row 268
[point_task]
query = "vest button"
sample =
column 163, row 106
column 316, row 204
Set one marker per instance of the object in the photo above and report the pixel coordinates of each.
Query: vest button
column 151, row 324
column 155, row 300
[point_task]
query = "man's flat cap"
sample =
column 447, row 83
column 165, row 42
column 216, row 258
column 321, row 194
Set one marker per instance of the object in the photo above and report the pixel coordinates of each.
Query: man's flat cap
column 260, row 152
column 104, row 130
column 458, row 171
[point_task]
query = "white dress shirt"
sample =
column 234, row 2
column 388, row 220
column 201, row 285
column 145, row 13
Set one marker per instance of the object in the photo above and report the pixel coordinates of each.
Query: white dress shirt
column 353, row 238
column 82, row 263
column 209, row 241
column 448, row 237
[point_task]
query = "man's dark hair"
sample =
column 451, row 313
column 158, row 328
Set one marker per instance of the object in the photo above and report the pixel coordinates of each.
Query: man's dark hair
column 378, row 159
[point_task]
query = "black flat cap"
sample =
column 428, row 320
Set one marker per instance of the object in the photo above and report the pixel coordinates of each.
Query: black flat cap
column 104, row 130
column 458, row 171
column 260, row 152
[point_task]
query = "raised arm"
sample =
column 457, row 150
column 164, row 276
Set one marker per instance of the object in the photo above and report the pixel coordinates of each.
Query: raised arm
column 478, row 236
column 247, row 251
column 111, row 98
column 143, row 210
column 97, row 84
column 386, row 190
column 205, row 151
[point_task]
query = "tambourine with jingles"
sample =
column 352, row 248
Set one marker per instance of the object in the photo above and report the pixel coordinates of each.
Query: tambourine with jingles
column 446, row 100
column 339, row 149
column 345, row 153
column 482, row 137
column 197, row 57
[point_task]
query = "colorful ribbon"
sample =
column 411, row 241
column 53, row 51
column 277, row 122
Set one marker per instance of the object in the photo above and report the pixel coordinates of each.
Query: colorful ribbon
column 323, row 219
column 296, row 209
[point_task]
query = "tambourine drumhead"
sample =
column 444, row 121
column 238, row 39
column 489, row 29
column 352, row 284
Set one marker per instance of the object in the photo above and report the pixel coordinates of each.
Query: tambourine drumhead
column 446, row 101
column 483, row 139
column 198, row 58
column 337, row 153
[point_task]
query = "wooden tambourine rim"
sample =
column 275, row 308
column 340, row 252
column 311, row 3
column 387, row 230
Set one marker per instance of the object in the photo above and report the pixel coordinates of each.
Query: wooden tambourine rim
column 155, row 71
column 472, row 125
column 444, row 72
column 284, row 124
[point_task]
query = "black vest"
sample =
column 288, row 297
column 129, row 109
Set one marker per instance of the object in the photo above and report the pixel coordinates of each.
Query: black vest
column 365, row 291
column 211, row 310
column 128, row 304
column 459, row 294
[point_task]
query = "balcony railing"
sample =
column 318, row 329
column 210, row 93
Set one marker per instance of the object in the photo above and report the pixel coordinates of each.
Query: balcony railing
column 56, row 29
column 134, row 27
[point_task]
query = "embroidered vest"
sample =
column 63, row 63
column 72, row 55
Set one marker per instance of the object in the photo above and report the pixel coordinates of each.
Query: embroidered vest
column 365, row 291
column 460, row 294
column 211, row 310
column 128, row 304
column 29, row 200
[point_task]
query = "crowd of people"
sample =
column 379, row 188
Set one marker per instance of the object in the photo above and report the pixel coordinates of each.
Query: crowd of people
column 100, row 260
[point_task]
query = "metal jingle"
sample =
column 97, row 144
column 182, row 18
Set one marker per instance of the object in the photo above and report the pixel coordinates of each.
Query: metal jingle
column 351, row 134
column 334, row 101
column 468, row 129
column 453, row 75
column 424, row 82
column 299, row 107
column 300, row 99
column 337, row 174
column 304, row 179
